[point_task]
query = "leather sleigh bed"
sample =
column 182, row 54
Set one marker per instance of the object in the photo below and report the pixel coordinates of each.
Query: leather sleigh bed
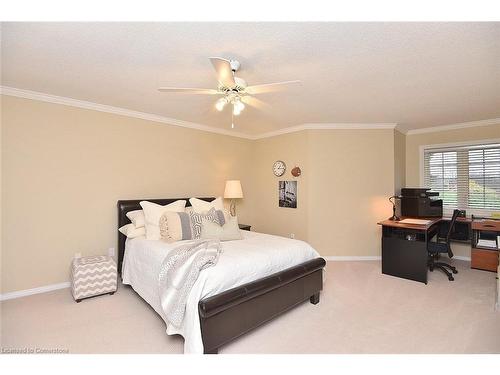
column 230, row 314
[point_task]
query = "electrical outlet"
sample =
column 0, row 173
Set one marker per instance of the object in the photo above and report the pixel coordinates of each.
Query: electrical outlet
column 78, row 255
column 111, row 251
column 292, row 235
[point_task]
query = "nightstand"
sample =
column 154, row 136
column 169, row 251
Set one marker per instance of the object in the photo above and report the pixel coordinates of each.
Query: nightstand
column 245, row 227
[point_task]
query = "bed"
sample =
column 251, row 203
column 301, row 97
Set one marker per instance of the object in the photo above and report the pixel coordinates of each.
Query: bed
column 255, row 280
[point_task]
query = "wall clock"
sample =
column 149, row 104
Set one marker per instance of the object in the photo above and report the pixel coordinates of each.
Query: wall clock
column 279, row 168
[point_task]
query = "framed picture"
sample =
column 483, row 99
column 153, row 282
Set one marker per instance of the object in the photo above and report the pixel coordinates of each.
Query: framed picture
column 287, row 193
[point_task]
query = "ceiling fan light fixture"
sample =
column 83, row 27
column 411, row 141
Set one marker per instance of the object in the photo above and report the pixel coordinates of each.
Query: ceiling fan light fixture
column 236, row 111
column 220, row 104
column 234, row 90
column 240, row 105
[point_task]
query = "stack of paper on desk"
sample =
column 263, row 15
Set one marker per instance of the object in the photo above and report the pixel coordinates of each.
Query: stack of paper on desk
column 415, row 221
column 487, row 243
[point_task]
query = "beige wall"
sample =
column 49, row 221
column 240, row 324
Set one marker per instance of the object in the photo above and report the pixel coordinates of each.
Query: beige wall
column 351, row 177
column 414, row 141
column 347, row 176
column 269, row 218
column 399, row 161
column 64, row 168
column 1, row 197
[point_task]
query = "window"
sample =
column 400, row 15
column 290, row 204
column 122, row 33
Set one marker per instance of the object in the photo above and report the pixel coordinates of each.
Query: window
column 466, row 177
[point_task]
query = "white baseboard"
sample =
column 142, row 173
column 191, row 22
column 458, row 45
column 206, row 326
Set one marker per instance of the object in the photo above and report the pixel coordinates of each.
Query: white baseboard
column 335, row 258
column 52, row 287
column 356, row 258
column 29, row 292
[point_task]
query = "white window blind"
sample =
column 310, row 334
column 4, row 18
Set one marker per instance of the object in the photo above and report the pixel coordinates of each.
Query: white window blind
column 466, row 177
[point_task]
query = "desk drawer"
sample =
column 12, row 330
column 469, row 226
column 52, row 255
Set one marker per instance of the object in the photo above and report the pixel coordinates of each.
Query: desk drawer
column 491, row 225
column 484, row 259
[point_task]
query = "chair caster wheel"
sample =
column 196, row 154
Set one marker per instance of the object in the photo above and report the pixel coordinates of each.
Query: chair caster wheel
column 455, row 271
column 451, row 278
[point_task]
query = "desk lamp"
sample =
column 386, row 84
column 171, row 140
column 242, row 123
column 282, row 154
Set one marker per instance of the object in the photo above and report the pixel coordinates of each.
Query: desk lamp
column 393, row 201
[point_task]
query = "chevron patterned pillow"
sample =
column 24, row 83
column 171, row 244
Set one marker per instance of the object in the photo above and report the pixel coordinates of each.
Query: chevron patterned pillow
column 212, row 215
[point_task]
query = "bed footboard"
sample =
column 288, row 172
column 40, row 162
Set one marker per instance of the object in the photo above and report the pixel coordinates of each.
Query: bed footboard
column 232, row 313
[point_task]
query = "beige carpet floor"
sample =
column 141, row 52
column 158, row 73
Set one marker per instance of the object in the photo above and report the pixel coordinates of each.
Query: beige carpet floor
column 361, row 311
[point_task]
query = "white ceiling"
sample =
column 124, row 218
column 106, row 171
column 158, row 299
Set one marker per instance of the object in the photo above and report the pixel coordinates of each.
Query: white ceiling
column 414, row 74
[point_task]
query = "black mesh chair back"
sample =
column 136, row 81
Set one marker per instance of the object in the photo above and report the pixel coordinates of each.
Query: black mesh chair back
column 450, row 230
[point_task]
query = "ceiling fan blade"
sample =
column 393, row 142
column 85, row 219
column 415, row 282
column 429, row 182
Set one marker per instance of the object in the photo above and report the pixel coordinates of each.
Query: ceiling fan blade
column 224, row 72
column 270, row 87
column 188, row 90
column 256, row 103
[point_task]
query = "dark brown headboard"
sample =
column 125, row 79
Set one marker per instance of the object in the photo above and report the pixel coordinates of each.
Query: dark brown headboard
column 131, row 205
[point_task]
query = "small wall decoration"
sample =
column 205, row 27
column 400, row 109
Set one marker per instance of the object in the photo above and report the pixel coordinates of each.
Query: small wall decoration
column 287, row 194
column 296, row 172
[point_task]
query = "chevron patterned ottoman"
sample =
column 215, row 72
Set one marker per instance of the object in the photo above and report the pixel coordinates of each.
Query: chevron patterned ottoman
column 93, row 276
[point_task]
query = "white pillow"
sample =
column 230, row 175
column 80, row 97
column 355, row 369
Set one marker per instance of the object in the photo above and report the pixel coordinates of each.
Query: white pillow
column 137, row 218
column 152, row 215
column 131, row 231
column 200, row 206
column 228, row 232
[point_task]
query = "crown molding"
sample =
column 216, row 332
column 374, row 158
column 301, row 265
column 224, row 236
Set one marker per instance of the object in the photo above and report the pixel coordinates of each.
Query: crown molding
column 327, row 126
column 34, row 95
column 461, row 125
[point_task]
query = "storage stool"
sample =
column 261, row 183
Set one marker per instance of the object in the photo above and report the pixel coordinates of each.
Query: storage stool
column 92, row 276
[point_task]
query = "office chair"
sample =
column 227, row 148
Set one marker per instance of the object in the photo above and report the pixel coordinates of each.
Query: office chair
column 434, row 249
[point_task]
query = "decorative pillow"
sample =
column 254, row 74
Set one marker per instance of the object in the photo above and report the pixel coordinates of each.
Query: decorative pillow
column 152, row 215
column 202, row 206
column 177, row 226
column 137, row 218
column 227, row 232
column 131, row 231
column 212, row 216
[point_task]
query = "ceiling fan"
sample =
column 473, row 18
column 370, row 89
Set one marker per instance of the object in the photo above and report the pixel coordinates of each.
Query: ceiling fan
column 234, row 91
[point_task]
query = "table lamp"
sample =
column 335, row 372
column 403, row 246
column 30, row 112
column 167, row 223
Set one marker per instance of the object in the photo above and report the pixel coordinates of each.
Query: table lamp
column 233, row 191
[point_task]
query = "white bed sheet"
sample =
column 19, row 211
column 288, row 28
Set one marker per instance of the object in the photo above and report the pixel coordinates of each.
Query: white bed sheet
column 257, row 255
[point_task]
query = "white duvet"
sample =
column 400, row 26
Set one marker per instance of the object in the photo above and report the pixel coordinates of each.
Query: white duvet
column 255, row 256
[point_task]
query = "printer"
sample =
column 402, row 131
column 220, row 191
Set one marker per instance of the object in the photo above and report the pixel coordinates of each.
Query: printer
column 418, row 202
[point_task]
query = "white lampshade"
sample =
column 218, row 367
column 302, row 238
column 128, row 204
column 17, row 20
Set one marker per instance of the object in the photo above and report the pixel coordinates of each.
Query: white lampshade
column 233, row 189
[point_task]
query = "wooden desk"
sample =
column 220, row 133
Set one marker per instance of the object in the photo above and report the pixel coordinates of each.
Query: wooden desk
column 484, row 258
column 404, row 248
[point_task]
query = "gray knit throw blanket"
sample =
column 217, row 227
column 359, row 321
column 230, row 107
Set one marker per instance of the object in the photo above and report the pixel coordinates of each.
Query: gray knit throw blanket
column 179, row 272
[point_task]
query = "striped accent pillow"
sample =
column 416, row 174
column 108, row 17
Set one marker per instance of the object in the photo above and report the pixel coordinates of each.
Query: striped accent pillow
column 175, row 226
column 178, row 226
